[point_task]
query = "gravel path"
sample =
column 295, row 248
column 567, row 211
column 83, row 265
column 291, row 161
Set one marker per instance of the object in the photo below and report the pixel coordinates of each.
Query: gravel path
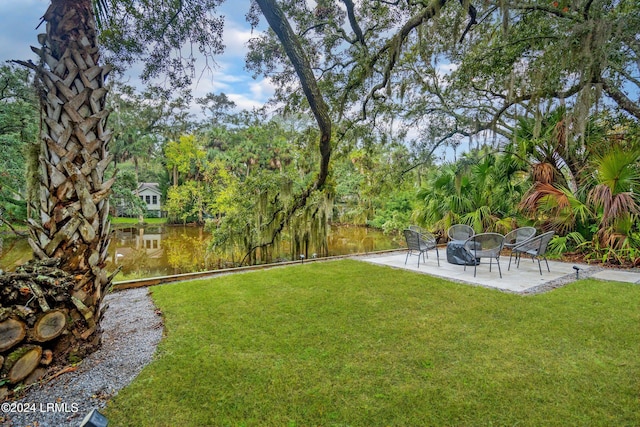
column 132, row 330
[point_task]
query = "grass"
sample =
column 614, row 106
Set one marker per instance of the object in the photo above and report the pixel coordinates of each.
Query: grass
column 134, row 221
column 346, row 343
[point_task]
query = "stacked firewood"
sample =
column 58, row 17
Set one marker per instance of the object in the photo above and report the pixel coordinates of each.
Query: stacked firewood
column 42, row 324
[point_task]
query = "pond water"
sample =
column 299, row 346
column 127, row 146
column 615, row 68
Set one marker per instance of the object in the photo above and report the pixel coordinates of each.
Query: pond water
column 153, row 251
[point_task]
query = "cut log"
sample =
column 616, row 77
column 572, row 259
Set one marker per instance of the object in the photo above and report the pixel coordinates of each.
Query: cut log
column 22, row 362
column 49, row 325
column 35, row 376
column 12, row 331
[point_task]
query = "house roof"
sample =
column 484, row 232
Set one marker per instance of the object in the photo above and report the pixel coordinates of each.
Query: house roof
column 151, row 186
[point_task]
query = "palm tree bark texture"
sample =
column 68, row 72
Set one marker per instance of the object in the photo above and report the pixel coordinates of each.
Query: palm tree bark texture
column 70, row 239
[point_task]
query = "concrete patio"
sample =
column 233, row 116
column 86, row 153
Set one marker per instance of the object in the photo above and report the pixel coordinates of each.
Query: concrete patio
column 525, row 279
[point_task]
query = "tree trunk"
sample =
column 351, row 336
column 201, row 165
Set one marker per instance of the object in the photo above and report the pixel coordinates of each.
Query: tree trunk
column 295, row 52
column 71, row 235
column 279, row 23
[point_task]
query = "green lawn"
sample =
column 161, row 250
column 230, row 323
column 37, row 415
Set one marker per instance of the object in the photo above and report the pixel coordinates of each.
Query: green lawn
column 135, row 221
column 346, row 343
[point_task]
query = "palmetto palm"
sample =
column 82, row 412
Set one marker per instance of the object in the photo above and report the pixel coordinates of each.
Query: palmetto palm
column 481, row 190
column 558, row 168
column 72, row 225
column 615, row 194
column 559, row 208
column 555, row 151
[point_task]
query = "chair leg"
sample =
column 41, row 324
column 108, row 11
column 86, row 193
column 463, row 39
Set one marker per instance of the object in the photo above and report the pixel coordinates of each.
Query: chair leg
column 499, row 271
column 475, row 263
column 539, row 268
column 547, row 262
column 490, row 262
column 407, row 257
column 438, row 256
column 516, row 258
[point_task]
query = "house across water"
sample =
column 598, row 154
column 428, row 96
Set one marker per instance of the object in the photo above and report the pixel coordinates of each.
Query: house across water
column 149, row 193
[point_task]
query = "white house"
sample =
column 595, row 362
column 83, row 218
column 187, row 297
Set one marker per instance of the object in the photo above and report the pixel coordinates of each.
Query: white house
column 149, row 193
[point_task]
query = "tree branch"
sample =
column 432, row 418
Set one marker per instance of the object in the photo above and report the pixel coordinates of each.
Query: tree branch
column 472, row 17
column 394, row 46
column 353, row 21
column 280, row 25
column 621, row 99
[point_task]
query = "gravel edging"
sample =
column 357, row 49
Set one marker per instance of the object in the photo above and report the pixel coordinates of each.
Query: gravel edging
column 584, row 273
column 132, row 330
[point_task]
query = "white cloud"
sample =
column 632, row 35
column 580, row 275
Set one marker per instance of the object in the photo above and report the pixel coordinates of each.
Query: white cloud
column 243, row 102
column 217, row 80
column 19, row 18
column 262, row 89
column 235, row 40
column 246, row 92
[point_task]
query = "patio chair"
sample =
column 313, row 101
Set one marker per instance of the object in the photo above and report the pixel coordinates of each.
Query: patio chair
column 535, row 247
column 485, row 245
column 417, row 229
column 420, row 243
column 518, row 236
column 460, row 232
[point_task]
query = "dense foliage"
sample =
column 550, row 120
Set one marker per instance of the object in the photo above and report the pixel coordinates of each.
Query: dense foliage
column 585, row 187
column 545, row 93
column 18, row 133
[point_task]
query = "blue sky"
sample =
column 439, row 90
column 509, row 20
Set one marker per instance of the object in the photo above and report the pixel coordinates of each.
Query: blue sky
column 19, row 18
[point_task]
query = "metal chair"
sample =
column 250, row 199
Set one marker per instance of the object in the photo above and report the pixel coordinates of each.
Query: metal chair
column 460, row 232
column 485, row 245
column 420, row 243
column 536, row 247
column 417, row 229
column 517, row 236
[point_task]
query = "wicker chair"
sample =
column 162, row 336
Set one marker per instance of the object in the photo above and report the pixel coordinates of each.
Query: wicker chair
column 485, row 245
column 417, row 229
column 460, row 232
column 420, row 243
column 535, row 247
column 517, row 236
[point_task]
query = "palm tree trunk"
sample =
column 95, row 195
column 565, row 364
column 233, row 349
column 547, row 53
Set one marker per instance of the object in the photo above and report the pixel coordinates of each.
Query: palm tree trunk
column 73, row 227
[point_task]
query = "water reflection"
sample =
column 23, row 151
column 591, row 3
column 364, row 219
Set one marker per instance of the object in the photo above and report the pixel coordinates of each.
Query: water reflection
column 164, row 250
